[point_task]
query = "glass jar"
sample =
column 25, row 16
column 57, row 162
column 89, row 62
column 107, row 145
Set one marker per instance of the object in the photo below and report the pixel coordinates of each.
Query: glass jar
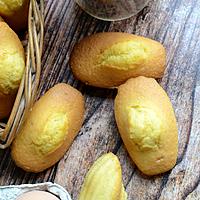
column 111, row 10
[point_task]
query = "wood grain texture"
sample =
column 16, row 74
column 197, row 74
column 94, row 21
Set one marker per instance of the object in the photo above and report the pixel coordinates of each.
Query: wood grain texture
column 175, row 23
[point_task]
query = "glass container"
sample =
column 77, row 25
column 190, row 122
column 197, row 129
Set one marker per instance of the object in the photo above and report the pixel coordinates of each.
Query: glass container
column 111, row 10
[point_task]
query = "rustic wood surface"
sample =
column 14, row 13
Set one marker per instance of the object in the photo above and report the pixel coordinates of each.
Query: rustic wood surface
column 175, row 23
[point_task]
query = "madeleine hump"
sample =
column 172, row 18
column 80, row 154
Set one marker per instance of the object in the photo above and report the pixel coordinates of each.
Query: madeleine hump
column 109, row 59
column 147, row 124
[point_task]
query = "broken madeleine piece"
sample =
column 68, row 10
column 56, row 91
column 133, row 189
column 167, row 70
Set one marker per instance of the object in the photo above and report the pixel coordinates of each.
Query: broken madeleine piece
column 104, row 180
column 109, row 59
column 147, row 124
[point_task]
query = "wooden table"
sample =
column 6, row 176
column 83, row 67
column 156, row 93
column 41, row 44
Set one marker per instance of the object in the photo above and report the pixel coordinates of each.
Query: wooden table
column 175, row 23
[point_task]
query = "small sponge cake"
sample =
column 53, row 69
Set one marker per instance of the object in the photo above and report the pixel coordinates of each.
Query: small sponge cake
column 50, row 129
column 147, row 124
column 12, row 64
column 109, row 59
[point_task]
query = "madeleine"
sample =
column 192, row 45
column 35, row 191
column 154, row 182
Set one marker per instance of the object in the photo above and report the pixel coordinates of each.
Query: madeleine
column 147, row 124
column 109, row 59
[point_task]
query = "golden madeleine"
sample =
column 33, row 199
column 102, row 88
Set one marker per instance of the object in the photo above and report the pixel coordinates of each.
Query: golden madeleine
column 109, row 59
column 49, row 129
column 104, row 180
column 15, row 12
column 12, row 64
column 147, row 124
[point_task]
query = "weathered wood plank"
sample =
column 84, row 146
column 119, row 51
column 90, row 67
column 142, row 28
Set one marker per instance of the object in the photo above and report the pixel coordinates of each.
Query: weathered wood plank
column 174, row 23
